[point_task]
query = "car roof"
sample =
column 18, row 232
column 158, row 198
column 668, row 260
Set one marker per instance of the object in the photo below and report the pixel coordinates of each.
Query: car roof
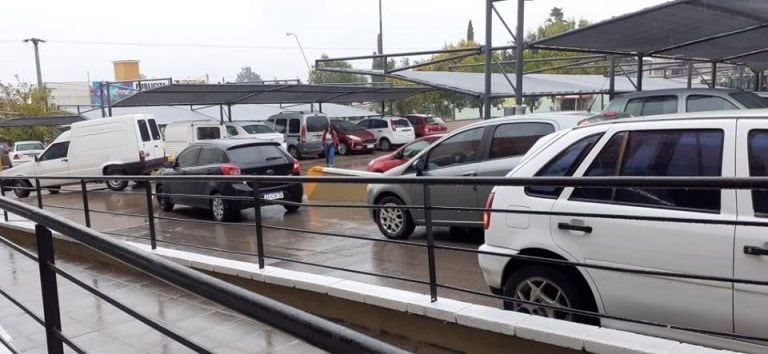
column 230, row 143
column 760, row 113
column 563, row 120
column 677, row 91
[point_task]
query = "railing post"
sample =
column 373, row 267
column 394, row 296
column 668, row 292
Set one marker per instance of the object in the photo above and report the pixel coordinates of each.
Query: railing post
column 259, row 228
column 39, row 194
column 430, row 243
column 2, row 192
column 151, row 216
column 86, row 207
column 49, row 288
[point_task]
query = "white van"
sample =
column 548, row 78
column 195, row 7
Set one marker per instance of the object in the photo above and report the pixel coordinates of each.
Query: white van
column 124, row 145
column 303, row 131
column 179, row 135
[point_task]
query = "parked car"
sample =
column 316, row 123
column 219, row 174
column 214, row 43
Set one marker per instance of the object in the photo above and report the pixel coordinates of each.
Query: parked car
column 402, row 155
column 389, row 131
column 124, row 145
column 655, row 102
column 711, row 144
column 352, row 138
column 25, row 151
column 179, row 135
column 425, row 125
column 229, row 157
column 489, row 148
column 302, row 130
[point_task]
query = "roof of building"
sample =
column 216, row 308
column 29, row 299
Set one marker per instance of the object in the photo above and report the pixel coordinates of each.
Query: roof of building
column 711, row 30
column 37, row 121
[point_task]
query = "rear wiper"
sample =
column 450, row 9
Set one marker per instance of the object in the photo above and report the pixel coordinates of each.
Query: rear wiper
column 273, row 158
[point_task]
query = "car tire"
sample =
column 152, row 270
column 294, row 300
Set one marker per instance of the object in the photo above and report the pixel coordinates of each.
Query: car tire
column 547, row 284
column 394, row 223
column 343, row 149
column 385, row 145
column 163, row 201
column 294, row 152
column 292, row 208
column 221, row 209
column 54, row 190
column 22, row 188
column 116, row 185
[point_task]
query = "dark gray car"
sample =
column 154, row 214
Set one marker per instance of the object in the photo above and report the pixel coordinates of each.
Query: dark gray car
column 489, row 148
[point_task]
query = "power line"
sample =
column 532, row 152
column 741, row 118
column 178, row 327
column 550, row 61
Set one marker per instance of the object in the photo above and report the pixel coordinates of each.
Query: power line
column 191, row 45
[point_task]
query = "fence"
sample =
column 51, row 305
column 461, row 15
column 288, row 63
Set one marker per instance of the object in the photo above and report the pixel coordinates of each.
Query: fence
column 426, row 183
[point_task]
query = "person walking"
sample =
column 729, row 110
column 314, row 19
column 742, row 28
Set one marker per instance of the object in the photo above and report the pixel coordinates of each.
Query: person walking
column 330, row 144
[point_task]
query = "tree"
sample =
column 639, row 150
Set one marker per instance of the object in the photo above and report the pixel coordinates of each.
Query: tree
column 25, row 100
column 327, row 77
column 470, row 32
column 246, row 74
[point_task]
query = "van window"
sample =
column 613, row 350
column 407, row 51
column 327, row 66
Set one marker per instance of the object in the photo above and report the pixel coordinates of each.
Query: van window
column 257, row 129
column 153, row 129
column 316, row 124
column 563, row 165
column 55, row 151
column 188, row 157
column 659, row 153
column 649, row 106
column 210, row 156
column 758, row 167
column 232, row 130
column 207, row 133
column 294, row 126
column 143, row 130
column 280, row 125
column 703, row 103
column 516, row 138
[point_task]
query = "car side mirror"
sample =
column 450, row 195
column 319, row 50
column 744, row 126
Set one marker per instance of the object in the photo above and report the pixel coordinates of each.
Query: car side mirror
column 418, row 165
column 399, row 155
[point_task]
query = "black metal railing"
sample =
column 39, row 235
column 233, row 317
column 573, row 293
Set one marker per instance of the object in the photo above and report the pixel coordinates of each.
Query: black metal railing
column 426, row 183
column 314, row 330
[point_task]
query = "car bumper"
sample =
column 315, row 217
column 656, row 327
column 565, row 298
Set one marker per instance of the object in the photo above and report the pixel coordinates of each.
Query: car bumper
column 291, row 192
column 493, row 266
column 310, row 148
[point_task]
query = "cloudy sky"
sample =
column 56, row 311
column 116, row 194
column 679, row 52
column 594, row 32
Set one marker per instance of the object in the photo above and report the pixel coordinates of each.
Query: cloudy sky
column 189, row 39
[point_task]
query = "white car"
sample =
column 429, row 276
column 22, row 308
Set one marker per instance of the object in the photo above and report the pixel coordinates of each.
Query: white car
column 712, row 144
column 25, row 151
column 389, row 131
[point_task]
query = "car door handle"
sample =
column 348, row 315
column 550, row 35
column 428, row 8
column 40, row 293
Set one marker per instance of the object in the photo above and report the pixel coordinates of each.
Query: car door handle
column 572, row 227
column 64, row 160
column 755, row 251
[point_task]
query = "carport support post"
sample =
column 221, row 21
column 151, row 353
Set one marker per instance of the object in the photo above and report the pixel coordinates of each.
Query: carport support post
column 430, row 243
column 639, row 72
column 109, row 102
column 757, row 80
column 259, row 227
column 714, row 75
column 229, row 113
column 690, row 75
column 611, row 77
column 221, row 114
column 519, row 62
column 488, row 58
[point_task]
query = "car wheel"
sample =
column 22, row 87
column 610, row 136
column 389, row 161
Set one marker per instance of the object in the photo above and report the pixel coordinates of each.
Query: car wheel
column 114, row 184
column 221, row 210
column 541, row 284
column 385, row 145
column 294, row 152
column 394, row 223
column 54, row 189
column 292, row 208
column 22, row 188
column 163, row 201
column 343, row 149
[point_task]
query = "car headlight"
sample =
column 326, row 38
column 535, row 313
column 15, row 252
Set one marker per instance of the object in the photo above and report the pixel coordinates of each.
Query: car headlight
column 355, row 138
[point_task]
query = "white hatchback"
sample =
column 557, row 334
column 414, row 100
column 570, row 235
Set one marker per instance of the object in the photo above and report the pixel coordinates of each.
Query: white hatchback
column 389, row 131
column 715, row 144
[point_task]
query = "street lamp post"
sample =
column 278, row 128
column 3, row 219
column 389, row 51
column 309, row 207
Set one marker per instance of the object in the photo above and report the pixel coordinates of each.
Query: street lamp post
column 309, row 67
column 35, row 42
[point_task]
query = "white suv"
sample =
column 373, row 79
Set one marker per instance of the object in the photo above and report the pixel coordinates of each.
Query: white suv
column 389, row 131
column 727, row 144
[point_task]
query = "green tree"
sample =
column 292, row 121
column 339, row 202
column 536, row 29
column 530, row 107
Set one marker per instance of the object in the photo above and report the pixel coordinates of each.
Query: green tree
column 326, row 77
column 25, row 100
column 246, row 74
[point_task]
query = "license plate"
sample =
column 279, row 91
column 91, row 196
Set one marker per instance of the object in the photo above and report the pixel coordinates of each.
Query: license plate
column 273, row 196
column 370, row 146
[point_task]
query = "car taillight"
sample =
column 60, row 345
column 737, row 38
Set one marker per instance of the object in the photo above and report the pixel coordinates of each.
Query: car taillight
column 487, row 212
column 142, row 155
column 230, row 170
column 296, row 171
column 303, row 134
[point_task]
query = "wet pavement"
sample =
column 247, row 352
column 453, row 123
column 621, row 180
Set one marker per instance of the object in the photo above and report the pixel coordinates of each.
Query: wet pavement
column 98, row 327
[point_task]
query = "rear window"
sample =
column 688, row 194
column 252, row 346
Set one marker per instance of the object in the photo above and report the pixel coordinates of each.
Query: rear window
column 703, row 103
column 750, row 100
column 434, row 120
column 257, row 129
column 316, row 123
column 401, row 123
column 207, row 133
column 153, row 129
column 252, row 154
column 143, row 130
column 29, row 146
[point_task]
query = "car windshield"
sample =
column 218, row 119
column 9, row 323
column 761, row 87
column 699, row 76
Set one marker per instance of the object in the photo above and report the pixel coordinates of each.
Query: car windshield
column 257, row 129
column 29, row 146
column 345, row 126
column 434, row 120
column 750, row 100
column 251, row 154
column 401, row 123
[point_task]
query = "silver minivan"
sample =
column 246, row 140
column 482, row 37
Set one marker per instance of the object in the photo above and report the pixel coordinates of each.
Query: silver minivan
column 303, row 131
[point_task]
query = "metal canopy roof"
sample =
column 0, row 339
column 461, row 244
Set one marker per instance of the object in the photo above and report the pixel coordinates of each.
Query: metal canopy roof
column 260, row 94
column 37, row 121
column 732, row 31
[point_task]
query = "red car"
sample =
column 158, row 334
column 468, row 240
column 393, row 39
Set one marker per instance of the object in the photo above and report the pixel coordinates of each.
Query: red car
column 427, row 125
column 353, row 138
column 402, row 155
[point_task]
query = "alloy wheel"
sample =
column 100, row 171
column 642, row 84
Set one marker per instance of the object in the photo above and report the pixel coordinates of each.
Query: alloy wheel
column 217, row 208
column 542, row 291
column 391, row 219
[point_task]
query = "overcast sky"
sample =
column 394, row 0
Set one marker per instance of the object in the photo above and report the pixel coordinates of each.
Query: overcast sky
column 82, row 35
